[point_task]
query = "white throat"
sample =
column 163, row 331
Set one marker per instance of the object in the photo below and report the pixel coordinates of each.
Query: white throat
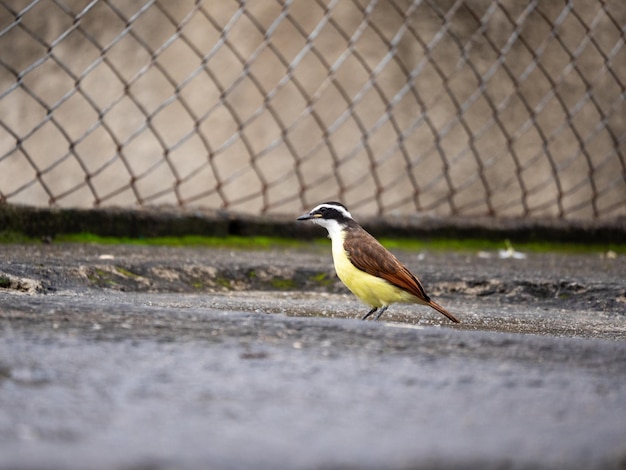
column 334, row 228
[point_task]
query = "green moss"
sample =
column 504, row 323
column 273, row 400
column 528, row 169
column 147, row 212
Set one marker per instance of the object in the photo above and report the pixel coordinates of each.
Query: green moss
column 101, row 277
column 321, row 279
column 8, row 236
column 125, row 272
column 263, row 243
column 283, row 284
column 223, row 282
column 236, row 242
column 474, row 245
column 409, row 244
column 5, row 282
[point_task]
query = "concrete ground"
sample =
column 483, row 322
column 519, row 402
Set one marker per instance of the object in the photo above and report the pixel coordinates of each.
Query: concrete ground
column 126, row 357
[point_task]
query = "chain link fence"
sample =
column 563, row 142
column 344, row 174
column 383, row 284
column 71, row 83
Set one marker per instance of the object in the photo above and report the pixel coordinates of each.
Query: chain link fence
column 443, row 107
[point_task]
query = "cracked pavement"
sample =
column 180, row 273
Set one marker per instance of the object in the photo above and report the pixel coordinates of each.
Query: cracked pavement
column 132, row 357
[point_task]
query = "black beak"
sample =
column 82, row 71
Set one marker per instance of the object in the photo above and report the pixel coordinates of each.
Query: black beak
column 304, row 217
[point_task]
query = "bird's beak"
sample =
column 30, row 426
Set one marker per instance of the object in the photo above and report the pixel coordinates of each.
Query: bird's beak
column 310, row 216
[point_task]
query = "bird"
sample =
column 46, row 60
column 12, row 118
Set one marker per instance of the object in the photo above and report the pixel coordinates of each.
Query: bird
column 368, row 269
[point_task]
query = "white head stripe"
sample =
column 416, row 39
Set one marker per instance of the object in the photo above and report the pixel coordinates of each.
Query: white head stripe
column 341, row 209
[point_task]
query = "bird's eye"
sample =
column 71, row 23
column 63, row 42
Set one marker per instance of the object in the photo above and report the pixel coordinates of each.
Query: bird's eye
column 322, row 209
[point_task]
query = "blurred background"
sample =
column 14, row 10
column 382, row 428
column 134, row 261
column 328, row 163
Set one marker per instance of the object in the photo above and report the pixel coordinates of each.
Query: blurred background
column 438, row 107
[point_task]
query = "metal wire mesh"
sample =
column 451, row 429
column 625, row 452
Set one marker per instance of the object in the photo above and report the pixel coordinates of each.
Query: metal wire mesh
column 447, row 107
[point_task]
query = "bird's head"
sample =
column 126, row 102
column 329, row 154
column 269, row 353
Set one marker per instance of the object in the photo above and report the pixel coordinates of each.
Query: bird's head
column 333, row 216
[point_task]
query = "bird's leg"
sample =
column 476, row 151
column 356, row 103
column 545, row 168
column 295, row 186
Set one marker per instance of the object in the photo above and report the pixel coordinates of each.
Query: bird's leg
column 382, row 310
column 369, row 313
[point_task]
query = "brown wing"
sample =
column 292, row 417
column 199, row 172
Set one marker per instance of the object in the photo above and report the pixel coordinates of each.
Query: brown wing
column 367, row 254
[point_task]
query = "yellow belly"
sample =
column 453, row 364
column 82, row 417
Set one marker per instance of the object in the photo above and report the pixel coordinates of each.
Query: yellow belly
column 371, row 290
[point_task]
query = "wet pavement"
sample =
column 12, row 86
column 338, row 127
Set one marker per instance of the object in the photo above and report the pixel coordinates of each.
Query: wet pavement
column 122, row 357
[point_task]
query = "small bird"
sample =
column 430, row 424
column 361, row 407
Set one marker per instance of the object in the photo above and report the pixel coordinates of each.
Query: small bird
column 366, row 267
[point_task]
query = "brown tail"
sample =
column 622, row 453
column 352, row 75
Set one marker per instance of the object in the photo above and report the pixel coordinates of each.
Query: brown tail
column 442, row 310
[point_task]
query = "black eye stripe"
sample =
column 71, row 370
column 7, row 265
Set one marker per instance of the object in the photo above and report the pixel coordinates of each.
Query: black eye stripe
column 331, row 211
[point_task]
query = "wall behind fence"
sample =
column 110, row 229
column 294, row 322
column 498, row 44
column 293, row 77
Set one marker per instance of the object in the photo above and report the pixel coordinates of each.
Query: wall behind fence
column 472, row 107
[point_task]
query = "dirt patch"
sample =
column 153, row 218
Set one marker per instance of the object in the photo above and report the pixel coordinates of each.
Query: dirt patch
column 9, row 282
